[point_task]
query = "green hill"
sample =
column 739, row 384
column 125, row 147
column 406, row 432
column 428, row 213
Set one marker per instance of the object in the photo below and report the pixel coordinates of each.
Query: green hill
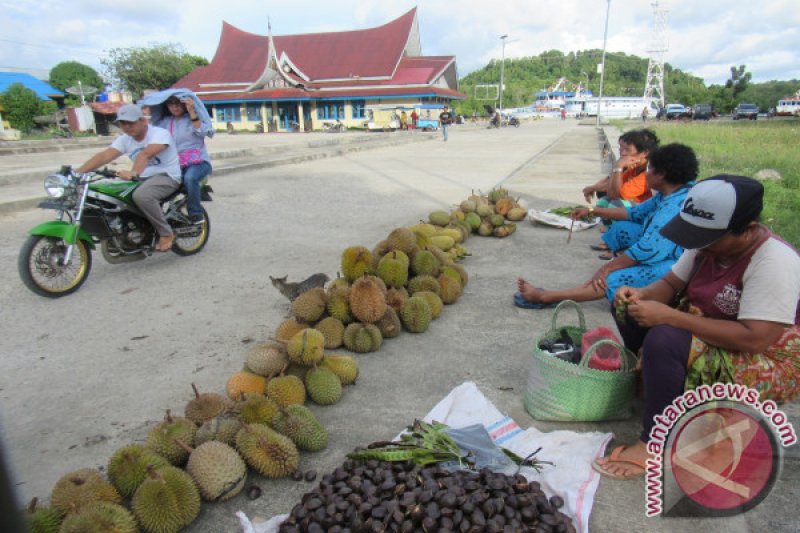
column 625, row 76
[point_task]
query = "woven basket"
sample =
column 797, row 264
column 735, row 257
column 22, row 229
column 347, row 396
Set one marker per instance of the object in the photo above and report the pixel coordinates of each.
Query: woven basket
column 562, row 391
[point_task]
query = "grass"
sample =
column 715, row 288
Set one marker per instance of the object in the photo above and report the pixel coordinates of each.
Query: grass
column 745, row 148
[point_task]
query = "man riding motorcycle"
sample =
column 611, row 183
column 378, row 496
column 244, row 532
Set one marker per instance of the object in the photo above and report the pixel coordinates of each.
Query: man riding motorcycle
column 155, row 161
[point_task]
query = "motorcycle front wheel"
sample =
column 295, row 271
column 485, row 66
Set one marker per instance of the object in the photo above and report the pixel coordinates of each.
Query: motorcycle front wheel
column 191, row 238
column 42, row 269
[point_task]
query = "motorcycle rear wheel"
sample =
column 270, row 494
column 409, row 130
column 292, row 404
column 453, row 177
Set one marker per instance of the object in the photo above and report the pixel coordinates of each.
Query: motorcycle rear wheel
column 191, row 245
column 42, row 270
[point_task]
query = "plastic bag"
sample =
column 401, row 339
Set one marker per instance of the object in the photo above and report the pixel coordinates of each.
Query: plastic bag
column 604, row 357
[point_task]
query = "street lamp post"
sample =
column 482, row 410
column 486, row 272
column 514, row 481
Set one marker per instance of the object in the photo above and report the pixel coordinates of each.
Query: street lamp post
column 502, row 68
column 603, row 71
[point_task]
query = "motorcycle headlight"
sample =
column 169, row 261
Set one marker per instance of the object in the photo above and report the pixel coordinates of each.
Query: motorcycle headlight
column 56, row 185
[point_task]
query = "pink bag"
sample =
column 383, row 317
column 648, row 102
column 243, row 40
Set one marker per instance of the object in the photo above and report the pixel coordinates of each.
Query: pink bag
column 605, row 357
column 192, row 156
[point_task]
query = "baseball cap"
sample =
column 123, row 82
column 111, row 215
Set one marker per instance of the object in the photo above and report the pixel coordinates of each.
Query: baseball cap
column 712, row 208
column 129, row 113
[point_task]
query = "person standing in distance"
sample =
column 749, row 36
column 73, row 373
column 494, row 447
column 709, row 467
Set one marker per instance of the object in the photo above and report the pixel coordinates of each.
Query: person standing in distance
column 445, row 119
column 155, row 163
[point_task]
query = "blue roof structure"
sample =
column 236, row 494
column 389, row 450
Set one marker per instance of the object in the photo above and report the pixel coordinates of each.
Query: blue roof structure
column 43, row 90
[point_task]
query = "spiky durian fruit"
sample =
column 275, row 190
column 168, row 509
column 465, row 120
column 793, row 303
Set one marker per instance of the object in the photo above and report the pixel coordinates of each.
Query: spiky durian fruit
column 267, row 358
column 286, row 390
column 256, row 409
column 310, row 306
column 206, row 406
column 367, row 300
column 296, row 370
column 306, row 347
column 299, row 424
column 393, row 269
column 340, row 285
column 425, row 263
column 416, row 315
column 167, row 501
column 268, row 452
column 288, row 328
column 434, row 302
column 389, row 324
column 344, row 366
column 161, row 439
column 41, row 519
column 362, row 338
column 449, row 288
column 82, row 487
column 339, row 307
column 323, row 386
column 244, row 383
column 443, row 258
column 402, row 239
column 332, row 329
column 100, row 517
column 356, row 261
column 462, row 272
column 218, row 470
column 127, row 467
column 222, row 428
column 423, row 283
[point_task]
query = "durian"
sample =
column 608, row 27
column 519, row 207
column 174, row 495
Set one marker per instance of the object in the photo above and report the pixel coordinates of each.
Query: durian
column 206, row 406
column 434, row 302
column 310, row 306
column 416, row 315
column 323, row 386
column 402, row 239
column 306, row 347
column 256, row 409
column 82, row 487
column 449, row 288
column 339, row 307
column 299, row 424
column 395, row 298
column 268, row 452
column 362, row 338
column 356, row 261
column 244, row 383
column 389, row 324
column 288, row 328
column 218, row 470
column 423, row 283
column 100, row 517
column 222, row 428
column 127, row 467
column 367, row 299
column 161, row 439
column 425, row 263
column 41, row 519
column 344, row 366
column 167, row 501
column 286, row 390
column 333, row 330
column 393, row 269
column 267, row 358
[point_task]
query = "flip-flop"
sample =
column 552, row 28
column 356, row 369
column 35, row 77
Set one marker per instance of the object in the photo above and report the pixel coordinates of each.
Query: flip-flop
column 599, row 247
column 614, row 458
column 606, row 257
column 519, row 301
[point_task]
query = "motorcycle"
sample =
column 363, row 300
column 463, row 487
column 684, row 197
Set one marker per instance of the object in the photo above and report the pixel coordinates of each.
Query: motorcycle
column 496, row 122
column 94, row 208
column 333, row 127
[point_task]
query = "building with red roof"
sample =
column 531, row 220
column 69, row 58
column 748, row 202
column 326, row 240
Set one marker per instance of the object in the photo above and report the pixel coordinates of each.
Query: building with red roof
column 291, row 82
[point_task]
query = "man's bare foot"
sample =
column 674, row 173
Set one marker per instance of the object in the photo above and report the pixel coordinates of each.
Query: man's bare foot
column 624, row 462
column 165, row 243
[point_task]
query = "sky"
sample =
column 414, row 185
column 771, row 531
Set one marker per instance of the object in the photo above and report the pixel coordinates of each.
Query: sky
column 703, row 37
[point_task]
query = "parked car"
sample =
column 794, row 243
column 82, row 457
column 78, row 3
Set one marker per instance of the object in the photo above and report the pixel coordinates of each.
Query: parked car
column 676, row 111
column 703, row 112
column 746, row 111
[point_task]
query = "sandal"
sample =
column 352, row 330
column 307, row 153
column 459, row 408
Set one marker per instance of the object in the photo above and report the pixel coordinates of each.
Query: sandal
column 614, row 458
column 520, row 301
column 602, row 247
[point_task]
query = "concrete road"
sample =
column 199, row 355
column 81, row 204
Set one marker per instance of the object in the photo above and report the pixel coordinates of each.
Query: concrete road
column 86, row 374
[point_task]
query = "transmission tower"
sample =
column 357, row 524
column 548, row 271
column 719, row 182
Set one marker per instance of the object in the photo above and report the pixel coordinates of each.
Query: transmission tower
column 654, row 87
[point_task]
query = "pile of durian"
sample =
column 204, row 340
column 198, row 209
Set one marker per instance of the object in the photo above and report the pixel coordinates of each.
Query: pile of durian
column 402, row 283
column 491, row 215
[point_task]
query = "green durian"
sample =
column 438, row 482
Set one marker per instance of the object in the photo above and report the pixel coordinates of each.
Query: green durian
column 343, row 366
column 100, row 517
column 362, row 338
column 323, row 386
column 161, row 439
column 80, row 488
column 416, row 314
column 127, row 467
column 299, row 424
column 268, row 452
column 218, row 470
column 167, row 501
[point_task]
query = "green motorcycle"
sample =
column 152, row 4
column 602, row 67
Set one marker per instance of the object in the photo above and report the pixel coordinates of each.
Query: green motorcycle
column 95, row 208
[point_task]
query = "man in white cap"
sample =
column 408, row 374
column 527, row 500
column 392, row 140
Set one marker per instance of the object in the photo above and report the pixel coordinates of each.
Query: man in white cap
column 155, row 162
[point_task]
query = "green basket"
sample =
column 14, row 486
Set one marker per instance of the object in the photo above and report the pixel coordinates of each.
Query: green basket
column 558, row 390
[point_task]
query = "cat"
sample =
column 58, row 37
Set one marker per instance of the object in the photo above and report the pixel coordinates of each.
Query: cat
column 293, row 290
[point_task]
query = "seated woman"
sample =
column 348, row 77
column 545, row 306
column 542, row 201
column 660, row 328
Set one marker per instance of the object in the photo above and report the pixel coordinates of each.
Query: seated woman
column 740, row 314
column 671, row 170
column 627, row 184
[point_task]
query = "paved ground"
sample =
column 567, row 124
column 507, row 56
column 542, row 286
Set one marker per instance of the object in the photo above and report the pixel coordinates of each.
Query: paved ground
column 83, row 375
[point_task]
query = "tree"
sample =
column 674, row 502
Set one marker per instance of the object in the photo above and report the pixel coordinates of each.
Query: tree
column 737, row 83
column 21, row 105
column 158, row 66
column 68, row 73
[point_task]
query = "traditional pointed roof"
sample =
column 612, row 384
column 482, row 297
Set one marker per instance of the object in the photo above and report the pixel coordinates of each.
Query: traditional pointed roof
column 387, row 55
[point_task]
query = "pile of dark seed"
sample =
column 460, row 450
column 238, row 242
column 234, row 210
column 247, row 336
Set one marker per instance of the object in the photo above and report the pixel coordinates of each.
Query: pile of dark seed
column 377, row 496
